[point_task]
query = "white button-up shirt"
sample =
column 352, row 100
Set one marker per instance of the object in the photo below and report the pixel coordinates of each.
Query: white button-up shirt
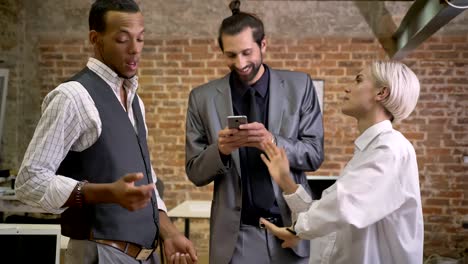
column 70, row 121
column 372, row 214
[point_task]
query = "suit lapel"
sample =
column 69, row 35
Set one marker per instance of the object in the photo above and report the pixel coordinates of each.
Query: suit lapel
column 223, row 103
column 277, row 96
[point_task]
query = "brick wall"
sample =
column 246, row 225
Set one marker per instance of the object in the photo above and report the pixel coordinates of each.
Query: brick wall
column 170, row 68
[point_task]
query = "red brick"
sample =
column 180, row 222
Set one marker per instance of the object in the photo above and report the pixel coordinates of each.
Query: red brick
column 337, row 56
column 193, row 80
column 326, row 48
column 151, row 72
column 362, row 40
column 323, row 64
column 193, row 64
column 70, row 64
column 350, row 64
column 436, row 202
column 170, row 49
column 363, row 56
column 166, row 80
column 52, row 56
column 308, row 41
column 178, row 72
column 167, row 64
column 282, row 56
column 177, row 56
column 196, row 49
column 432, row 210
column 302, row 48
column 204, row 72
column 153, row 42
column 203, row 56
column 446, row 55
column 354, row 47
column 276, row 49
column 332, row 72
column 276, row 64
column 148, row 50
column 176, row 42
column 296, row 64
column 204, row 42
column 440, row 46
column 309, row 56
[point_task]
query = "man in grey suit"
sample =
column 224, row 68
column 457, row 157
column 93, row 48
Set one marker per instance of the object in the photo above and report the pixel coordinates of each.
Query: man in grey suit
column 282, row 107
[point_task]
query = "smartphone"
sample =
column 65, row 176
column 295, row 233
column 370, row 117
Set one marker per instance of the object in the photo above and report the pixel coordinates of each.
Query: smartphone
column 236, row 121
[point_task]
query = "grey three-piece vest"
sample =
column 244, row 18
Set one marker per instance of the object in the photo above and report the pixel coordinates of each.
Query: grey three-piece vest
column 118, row 151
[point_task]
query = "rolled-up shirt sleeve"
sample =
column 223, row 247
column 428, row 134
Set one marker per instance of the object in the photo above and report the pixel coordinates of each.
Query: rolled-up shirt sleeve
column 60, row 126
column 161, row 204
column 299, row 201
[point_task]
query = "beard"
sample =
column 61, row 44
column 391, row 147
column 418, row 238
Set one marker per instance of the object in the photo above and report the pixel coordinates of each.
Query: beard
column 247, row 78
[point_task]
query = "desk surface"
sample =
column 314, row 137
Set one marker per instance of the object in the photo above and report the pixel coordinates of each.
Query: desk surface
column 191, row 209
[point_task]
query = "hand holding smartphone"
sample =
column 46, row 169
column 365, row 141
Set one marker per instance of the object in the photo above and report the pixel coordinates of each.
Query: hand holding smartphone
column 236, row 121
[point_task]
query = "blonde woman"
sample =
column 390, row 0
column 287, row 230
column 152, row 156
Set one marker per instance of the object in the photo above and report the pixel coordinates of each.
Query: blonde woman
column 372, row 214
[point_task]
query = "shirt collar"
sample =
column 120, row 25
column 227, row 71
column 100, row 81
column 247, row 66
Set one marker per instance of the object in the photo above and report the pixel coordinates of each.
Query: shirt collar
column 261, row 86
column 372, row 132
column 111, row 77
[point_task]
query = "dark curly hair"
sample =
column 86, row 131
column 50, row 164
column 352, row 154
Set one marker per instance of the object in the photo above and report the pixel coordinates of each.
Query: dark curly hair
column 101, row 7
column 238, row 21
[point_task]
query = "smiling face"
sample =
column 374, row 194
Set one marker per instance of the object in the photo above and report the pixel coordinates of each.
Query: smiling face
column 360, row 98
column 120, row 45
column 243, row 55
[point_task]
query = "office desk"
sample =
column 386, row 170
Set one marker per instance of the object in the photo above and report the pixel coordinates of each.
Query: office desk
column 191, row 209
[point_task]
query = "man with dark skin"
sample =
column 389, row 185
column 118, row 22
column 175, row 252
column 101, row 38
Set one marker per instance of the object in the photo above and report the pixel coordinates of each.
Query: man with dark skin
column 85, row 162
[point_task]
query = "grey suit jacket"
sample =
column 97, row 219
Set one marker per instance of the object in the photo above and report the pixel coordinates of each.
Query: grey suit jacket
column 294, row 118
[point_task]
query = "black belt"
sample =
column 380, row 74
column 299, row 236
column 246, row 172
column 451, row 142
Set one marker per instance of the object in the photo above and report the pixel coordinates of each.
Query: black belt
column 255, row 221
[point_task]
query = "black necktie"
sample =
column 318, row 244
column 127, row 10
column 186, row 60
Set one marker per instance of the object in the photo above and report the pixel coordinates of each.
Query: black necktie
column 259, row 177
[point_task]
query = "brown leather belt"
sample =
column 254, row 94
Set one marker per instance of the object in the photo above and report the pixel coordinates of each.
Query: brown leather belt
column 133, row 250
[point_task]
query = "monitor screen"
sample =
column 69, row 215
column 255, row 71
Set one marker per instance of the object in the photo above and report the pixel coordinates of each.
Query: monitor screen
column 28, row 243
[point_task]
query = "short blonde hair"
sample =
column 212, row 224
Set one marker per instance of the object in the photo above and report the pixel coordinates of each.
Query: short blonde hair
column 403, row 87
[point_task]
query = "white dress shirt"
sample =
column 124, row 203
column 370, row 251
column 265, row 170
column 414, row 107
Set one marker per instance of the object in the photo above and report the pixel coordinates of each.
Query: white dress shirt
column 372, row 214
column 70, row 122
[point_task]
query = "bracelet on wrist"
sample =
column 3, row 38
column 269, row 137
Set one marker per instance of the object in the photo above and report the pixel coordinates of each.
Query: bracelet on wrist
column 79, row 196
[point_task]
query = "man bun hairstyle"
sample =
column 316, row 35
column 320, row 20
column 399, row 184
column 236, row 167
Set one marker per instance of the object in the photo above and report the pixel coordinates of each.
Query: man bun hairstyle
column 235, row 7
column 239, row 21
column 99, row 9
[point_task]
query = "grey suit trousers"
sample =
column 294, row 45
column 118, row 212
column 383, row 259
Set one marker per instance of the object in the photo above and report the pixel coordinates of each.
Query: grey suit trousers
column 89, row 252
column 258, row 246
